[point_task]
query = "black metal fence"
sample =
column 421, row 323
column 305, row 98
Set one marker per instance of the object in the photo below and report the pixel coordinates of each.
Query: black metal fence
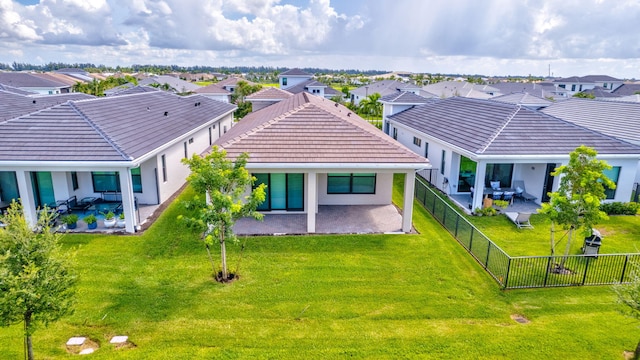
column 525, row 271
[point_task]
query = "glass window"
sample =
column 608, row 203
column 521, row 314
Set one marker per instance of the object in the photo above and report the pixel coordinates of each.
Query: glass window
column 467, row 174
column 395, row 133
column 358, row 183
column 417, row 141
column 186, row 150
column 104, row 181
column 426, row 149
column 136, row 180
column 74, row 180
column 443, row 162
column 498, row 172
column 164, row 168
column 284, row 81
column 613, row 174
column 284, row 191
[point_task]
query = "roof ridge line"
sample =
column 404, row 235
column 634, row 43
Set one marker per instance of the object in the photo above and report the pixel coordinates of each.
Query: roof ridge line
column 98, row 130
column 263, row 125
column 495, row 135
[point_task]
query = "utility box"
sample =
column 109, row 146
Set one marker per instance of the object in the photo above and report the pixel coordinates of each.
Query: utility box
column 591, row 246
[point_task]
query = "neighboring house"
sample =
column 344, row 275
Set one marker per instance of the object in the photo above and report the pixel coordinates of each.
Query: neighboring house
column 445, row 89
column 15, row 90
column 524, row 99
column 215, row 92
column 128, row 90
column 34, row 83
column 266, row 97
column 231, row 83
column 545, row 90
column 627, row 90
column 570, row 86
column 296, row 81
column 76, row 73
column 176, row 85
column 472, row 142
column 129, row 147
column 14, row 105
column 398, row 102
column 384, row 88
column 312, row 151
column 613, row 118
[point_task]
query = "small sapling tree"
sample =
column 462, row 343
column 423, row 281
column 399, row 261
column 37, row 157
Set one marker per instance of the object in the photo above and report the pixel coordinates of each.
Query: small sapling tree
column 225, row 185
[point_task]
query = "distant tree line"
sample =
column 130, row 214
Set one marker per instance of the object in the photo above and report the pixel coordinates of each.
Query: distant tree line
column 163, row 69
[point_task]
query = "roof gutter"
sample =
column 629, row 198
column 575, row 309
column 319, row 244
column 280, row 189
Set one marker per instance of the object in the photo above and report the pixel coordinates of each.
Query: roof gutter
column 369, row 166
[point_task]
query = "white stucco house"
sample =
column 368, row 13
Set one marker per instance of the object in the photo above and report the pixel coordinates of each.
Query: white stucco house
column 570, row 86
column 311, row 151
column 128, row 147
column 296, row 81
column 472, row 142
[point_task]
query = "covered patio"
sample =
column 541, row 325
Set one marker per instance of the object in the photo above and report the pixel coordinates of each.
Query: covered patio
column 330, row 219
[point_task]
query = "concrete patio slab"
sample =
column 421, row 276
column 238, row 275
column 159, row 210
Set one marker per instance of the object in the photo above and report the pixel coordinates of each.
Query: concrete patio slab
column 331, row 219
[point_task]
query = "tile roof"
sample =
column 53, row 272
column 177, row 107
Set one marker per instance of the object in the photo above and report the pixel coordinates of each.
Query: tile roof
column 178, row 85
column 542, row 90
column 28, row 80
column 132, row 90
column 302, row 87
column 295, row 72
column 13, row 105
column 233, row 80
column 117, row 128
column 486, row 127
column 524, row 99
column 614, row 118
column 307, row 129
column 587, row 79
column 15, row 90
column 404, row 97
column 384, row 87
column 269, row 93
column 627, row 89
column 212, row 89
column 458, row 88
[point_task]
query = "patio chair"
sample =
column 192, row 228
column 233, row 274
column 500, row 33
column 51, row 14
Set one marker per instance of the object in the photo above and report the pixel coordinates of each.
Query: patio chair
column 521, row 193
column 495, row 185
column 508, row 196
column 520, row 219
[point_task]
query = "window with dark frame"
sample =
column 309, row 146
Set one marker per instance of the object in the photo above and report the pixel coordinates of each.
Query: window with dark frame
column 105, row 181
column 351, row 183
column 417, row 141
column 186, row 150
column 613, row 174
column 74, row 180
column 164, row 168
column 136, row 180
column 443, row 162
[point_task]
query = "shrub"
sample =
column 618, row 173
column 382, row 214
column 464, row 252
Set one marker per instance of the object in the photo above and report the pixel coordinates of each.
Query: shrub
column 620, row 208
column 70, row 219
column 503, row 204
column 489, row 211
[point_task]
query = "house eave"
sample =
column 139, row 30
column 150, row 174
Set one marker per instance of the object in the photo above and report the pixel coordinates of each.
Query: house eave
column 323, row 166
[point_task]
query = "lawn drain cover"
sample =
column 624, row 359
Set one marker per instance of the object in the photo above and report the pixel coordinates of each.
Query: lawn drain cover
column 520, row 319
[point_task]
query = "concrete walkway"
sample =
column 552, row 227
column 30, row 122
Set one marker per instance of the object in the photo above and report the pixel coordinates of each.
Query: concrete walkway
column 331, row 219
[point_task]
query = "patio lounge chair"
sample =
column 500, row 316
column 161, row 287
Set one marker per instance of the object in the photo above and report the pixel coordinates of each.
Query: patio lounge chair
column 520, row 219
column 521, row 192
column 74, row 205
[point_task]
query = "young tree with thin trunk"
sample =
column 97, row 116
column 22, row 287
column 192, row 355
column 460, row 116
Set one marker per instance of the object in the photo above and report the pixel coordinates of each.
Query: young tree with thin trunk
column 576, row 204
column 36, row 277
column 225, row 185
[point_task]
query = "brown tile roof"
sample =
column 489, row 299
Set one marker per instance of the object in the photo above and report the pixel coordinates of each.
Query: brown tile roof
column 269, row 93
column 307, row 129
column 212, row 89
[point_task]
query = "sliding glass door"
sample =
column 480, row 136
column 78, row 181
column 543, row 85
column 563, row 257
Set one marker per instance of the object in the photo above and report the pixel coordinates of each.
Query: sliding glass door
column 42, row 188
column 284, row 191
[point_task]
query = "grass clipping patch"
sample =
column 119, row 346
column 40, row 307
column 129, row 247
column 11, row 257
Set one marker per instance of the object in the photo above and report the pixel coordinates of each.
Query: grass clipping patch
column 88, row 344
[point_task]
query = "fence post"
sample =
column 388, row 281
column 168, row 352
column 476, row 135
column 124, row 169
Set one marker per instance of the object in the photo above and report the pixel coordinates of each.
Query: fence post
column 471, row 239
column 546, row 274
column 486, row 262
column 624, row 268
column 506, row 276
column 586, row 268
column 457, row 222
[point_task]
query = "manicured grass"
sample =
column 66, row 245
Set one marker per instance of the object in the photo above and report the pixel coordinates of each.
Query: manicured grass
column 621, row 234
column 359, row 296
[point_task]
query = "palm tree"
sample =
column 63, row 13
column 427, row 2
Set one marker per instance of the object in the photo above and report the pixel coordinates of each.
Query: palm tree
column 370, row 106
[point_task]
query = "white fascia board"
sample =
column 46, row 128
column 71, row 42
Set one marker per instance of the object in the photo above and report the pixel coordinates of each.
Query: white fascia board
column 542, row 157
column 68, row 165
column 339, row 166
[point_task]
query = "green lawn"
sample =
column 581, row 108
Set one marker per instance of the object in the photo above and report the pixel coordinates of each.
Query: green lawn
column 621, row 234
column 359, row 296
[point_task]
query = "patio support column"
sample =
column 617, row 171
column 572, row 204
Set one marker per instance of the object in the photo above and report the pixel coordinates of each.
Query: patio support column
column 128, row 202
column 478, row 194
column 312, row 201
column 25, row 188
column 407, row 208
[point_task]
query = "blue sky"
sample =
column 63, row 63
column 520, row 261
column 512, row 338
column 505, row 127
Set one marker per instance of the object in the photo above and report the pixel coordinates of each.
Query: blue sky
column 489, row 37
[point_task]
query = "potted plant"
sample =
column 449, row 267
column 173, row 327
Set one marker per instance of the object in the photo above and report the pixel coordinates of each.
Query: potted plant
column 109, row 219
column 121, row 222
column 71, row 221
column 91, row 221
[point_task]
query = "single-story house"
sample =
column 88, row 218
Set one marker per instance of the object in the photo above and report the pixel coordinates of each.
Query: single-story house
column 34, row 82
column 127, row 147
column 296, row 81
column 473, row 142
column 266, row 97
column 311, row 151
